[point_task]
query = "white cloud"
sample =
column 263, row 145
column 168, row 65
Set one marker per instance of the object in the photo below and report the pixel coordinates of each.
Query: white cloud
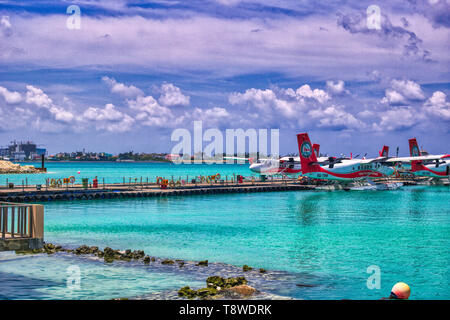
column 38, row 97
column 337, row 87
column 5, row 26
column 409, row 89
column 122, row 89
column 335, row 117
column 438, row 105
column 11, row 97
column 172, row 96
column 317, row 94
column 150, row 112
column 109, row 113
column 392, row 97
column 284, row 102
column 211, row 117
column 397, row 118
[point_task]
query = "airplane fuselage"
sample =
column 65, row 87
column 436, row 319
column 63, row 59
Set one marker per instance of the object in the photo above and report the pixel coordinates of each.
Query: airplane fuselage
column 350, row 170
column 433, row 171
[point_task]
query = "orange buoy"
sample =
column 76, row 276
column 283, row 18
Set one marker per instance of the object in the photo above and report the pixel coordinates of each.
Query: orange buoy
column 400, row 291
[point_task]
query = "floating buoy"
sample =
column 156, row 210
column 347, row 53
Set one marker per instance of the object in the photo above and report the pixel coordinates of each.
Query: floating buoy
column 400, row 291
column 78, row 172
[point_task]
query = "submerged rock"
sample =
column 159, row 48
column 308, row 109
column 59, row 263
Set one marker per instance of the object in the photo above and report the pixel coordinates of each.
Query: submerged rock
column 203, row 263
column 167, row 261
column 246, row 268
column 219, row 287
column 187, row 292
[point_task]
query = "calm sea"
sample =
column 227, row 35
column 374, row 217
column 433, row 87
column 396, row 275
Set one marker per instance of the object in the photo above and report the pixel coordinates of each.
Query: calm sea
column 117, row 172
column 325, row 239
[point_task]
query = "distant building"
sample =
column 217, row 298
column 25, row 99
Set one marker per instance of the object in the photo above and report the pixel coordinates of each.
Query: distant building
column 20, row 151
column 172, row 157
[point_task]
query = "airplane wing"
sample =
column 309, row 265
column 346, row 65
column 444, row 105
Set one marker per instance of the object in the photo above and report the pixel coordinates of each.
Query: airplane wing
column 379, row 159
column 419, row 158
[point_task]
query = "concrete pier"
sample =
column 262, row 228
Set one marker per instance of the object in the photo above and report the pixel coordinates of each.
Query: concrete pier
column 139, row 190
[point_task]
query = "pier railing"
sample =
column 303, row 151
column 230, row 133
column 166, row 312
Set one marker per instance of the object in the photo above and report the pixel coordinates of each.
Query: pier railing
column 21, row 221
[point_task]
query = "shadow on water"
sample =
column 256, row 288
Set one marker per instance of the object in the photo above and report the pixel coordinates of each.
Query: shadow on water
column 15, row 286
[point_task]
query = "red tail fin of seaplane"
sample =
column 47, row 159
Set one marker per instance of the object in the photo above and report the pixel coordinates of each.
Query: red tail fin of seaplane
column 414, row 150
column 384, row 152
column 308, row 157
column 316, row 148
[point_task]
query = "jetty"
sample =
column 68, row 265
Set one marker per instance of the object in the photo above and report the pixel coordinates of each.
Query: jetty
column 137, row 188
column 111, row 191
column 21, row 226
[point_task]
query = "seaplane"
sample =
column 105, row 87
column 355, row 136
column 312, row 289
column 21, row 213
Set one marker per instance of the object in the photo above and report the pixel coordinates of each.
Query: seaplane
column 289, row 166
column 344, row 169
column 424, row 165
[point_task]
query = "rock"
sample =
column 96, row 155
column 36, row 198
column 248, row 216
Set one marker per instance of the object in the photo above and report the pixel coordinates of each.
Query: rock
column 9, row 167
column 246, row 268
column 187, row 292
column 109, row 254
column 181, row 264
column 203, row 263
column 242, row 290
column 84, row 249
column 146, row 259
column 206, row 292
column 167, row 261
column 93, row 250
column 215, row 282
column 139, row 254
column 219, row 282
column 304, row 285
column 153, row 259
column 261, row 270
column 232, row 282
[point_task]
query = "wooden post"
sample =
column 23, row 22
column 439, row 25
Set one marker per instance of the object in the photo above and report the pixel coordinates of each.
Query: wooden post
column 12, row 221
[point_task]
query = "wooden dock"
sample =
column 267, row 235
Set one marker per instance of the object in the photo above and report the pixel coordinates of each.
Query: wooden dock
column 21, row 226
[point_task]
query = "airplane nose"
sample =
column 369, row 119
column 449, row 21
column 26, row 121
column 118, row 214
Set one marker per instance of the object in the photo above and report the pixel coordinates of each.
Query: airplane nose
column 255, row 167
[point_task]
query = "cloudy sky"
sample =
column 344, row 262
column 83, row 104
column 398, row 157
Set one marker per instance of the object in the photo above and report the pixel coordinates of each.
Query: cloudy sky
column 136, row 70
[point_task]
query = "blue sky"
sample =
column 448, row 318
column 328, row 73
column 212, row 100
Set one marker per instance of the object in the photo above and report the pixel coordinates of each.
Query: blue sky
column 137, row 70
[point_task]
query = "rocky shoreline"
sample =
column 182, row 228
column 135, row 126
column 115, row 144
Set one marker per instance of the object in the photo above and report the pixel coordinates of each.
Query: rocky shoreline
column 7, row 167
column 217, row 286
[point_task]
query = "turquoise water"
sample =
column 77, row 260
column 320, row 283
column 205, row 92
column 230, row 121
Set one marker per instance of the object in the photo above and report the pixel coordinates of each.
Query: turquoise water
column 331, row 236
column 115, row 172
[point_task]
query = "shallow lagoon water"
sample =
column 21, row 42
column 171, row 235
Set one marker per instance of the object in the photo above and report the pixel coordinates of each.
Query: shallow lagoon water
column 331, row 236
column 322, row 238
